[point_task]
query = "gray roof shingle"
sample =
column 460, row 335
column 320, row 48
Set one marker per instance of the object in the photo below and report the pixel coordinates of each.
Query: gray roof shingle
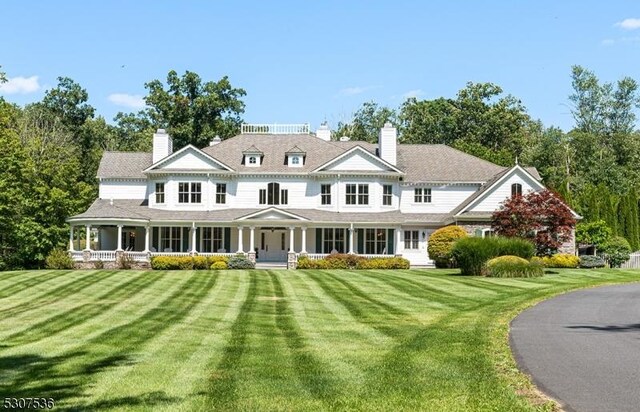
column 124, row 165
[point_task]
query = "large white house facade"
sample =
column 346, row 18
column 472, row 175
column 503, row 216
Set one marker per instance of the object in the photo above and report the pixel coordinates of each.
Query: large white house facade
column 275, row 192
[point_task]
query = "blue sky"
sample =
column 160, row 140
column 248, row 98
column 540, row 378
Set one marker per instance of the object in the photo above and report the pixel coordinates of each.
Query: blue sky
column 310, row 61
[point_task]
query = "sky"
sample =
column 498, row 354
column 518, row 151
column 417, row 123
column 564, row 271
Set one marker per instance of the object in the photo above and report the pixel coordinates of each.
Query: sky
column 315, row 61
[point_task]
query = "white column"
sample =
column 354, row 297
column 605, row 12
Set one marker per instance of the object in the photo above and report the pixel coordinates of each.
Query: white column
column 147, row 238
column 351, row 231
column 252, row 239
column 304, row 240
column 399, row 241
column 71, row 238
column 240, row 247
column 291, row 239
column 87, row 244
column 119, row 238
column 192, row 232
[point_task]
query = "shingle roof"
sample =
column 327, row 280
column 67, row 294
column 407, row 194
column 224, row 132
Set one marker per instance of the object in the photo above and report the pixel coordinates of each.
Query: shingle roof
column 124, row 164
column 139, row 210
column 422, row 163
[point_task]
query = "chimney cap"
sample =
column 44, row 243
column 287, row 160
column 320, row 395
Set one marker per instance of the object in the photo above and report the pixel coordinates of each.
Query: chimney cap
column 161, row 131
column 387, row 124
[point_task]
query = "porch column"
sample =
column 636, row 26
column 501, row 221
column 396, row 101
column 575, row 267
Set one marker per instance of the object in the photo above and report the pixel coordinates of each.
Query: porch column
column 351, row 231
column 240, row 247
column 304, row 240
column 119, row 237
column 71, row 238
column 399, row 241
column 252, row 239
column 147, row 233
column 87, row 245
column 192, row 232
column 291, row 239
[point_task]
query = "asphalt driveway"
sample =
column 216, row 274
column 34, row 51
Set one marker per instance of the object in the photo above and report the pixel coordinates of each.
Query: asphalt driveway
column 583, row 348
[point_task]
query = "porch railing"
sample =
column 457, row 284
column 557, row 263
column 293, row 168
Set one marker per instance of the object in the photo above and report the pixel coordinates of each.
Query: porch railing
column 318, row 256
column 207, row 254
column 263, row 128
column 170, row 254
column 138, row 256
column 103, row 255
column 77, row 255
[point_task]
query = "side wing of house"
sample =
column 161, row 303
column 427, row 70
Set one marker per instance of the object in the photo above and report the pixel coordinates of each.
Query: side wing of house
column 501, row 190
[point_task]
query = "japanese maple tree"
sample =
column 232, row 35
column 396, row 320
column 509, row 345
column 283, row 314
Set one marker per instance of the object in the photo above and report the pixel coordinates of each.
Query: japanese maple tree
column 538, row 216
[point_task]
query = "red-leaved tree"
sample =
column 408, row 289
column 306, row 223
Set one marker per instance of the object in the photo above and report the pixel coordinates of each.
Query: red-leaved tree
column 538, row 216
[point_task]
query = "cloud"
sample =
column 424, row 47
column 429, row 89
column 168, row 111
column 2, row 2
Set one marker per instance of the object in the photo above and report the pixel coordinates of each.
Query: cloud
column 412, row 93
column 621, row 40
column 20, row 85
column 629, row 24
column 352, row 91
column 134, row 101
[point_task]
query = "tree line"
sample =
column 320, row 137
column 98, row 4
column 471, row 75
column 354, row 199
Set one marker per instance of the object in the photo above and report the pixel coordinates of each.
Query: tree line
column 51, row 149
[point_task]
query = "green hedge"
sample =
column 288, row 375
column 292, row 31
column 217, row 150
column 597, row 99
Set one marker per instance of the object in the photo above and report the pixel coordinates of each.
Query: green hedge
column 59, row 259
column 590, row 262
column 186, row 262
column 345, row 261
column 513, row 267
column 559, row 260
column 441, row 244
column 240, row 262
column 472, row 253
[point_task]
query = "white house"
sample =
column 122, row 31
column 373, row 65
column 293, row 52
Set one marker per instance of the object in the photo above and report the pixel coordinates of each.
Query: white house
column 274, row 192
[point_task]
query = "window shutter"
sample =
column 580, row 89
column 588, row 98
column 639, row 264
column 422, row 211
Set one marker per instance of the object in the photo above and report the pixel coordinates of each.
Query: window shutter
column 360, row 249
column 227, row 239
column 318, row 240
column 198, row 235
column 390, row 241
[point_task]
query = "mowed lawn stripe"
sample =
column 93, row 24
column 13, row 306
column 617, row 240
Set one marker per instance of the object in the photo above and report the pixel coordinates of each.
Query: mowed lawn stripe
column 84, row 312
column 111, row 348
column 71, row 286
column 28, row 280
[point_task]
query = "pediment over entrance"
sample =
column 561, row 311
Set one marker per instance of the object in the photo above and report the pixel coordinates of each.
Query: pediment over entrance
column 273, row 214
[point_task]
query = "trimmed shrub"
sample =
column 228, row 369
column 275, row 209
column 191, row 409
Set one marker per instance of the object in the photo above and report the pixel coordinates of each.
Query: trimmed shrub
column 561, row 260
column 472, row 253
column 200, row 263
column 343, row 261
column 616, row 250
column 240, row 262
column 172, row 263
column 383, row 263
column 441, row 244
column 213, row 259
column 59, row 259
column 590, row 261
column 219, row 265
column 513, row 267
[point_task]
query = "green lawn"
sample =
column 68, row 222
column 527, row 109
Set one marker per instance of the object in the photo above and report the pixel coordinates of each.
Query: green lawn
column 269, row 340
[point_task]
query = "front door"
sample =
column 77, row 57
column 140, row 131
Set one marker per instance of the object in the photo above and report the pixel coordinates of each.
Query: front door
column 272, row 246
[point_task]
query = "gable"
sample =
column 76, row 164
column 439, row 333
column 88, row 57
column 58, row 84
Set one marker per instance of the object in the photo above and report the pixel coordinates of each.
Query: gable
column 188, row 158
column 494, row 196
column 273, row 214
column 358, row 159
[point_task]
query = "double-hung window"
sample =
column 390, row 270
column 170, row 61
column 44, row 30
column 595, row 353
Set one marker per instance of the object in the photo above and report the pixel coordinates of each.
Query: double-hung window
column 272, row 195
column 221, row 193
column 357, row 194
column 351, row 194
column 411, row 239
column 159, row 192
column 422, row 195
column 325, row 194
column 387, row 195
column 189, row 192
column 516, row 189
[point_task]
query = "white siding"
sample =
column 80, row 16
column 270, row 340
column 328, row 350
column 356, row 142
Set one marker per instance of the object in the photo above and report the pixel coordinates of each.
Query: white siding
column 122, row 189
column 491, row 201
column 443, row 198
column 357, row 161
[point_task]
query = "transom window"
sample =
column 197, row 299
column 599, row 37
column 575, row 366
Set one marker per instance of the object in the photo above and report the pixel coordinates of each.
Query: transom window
column 325, row 194
column 272, row 195
column 357, row 194
column 422, row 195
column 159, row 192
column 221, row 193
column 387, row 195
column 189, row 192
column 516, row 189
column 411, row 240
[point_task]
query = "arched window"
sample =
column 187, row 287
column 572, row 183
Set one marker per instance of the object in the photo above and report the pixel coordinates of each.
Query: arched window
column 273, row 193
column 516, row 189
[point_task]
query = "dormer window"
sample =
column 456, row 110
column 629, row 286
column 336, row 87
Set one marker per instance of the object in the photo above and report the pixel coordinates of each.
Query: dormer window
column 516, row 189
column 252, row 157
column 295, row 157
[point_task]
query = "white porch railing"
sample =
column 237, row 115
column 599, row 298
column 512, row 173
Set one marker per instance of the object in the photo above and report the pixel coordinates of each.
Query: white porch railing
column 103, row 255
column 377, row 256
column 77, row 255
column 318, row 256
column 315, row 256
column 264, row 128
column 633, row 262
column 170, row 254
column 138, row 256
column 217, row 254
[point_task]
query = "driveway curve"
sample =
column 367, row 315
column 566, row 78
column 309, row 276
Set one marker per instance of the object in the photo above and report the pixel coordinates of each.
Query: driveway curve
column 583, row 348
